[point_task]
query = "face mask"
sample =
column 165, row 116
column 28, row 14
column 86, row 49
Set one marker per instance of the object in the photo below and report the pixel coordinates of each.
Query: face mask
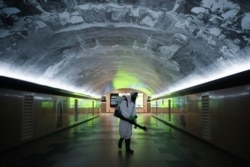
column 133, row 97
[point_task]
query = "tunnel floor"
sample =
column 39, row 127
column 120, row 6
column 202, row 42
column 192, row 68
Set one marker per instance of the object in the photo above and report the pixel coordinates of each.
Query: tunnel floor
column 94, row 143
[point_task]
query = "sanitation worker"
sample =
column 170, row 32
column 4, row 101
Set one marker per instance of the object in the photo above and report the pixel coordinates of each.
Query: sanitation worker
column 125, row 128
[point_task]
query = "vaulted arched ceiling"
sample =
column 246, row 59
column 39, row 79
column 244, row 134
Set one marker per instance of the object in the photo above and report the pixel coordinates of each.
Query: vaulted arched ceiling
column 94, row 47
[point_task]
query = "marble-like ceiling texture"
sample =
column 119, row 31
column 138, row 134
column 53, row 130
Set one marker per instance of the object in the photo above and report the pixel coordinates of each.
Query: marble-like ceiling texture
column 95, row 46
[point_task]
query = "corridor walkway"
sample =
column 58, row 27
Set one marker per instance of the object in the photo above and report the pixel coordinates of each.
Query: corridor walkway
column 94, row 144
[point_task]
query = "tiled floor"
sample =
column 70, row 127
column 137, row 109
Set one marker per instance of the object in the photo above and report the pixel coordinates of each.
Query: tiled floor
column 95, row 144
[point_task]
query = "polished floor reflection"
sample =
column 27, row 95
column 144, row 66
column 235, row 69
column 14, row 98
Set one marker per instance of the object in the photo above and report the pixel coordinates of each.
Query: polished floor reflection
column 95, row 144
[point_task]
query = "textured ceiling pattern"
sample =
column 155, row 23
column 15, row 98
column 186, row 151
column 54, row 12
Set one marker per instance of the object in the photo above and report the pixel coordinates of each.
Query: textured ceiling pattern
column 94, row 47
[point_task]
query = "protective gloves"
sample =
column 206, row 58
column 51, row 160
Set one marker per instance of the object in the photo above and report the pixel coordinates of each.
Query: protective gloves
column 132, row 118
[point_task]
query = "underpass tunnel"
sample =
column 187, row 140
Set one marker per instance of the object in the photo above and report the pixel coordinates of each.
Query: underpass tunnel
column 93, row 47
column 64, row 63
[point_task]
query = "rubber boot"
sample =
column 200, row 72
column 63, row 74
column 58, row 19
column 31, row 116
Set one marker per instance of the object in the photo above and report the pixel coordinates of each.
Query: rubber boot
column 128, row 150
column 120, row 143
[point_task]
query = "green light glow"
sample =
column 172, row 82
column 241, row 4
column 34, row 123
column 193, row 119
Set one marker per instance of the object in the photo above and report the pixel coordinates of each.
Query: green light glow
column 87, row 104
column 163, row 103
column 82, row 103
column 125, row 79
column 47, row 104
column 71, row 102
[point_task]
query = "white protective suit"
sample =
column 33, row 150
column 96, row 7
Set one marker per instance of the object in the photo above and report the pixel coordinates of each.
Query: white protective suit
column 125, row 128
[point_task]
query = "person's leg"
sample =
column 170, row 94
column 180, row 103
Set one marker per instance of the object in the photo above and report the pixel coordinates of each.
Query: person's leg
column 120, row 142
column 127, row 142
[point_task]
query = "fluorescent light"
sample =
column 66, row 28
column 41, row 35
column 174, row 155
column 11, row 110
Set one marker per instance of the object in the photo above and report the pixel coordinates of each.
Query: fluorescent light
column 5, row 71
column 219, row 70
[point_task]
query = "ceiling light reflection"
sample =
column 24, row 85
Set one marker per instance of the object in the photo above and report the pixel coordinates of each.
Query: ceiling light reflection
column 223, row 69
column 4, row 71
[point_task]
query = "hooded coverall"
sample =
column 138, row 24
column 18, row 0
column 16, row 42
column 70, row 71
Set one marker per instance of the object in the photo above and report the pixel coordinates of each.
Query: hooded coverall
column 127, row 109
